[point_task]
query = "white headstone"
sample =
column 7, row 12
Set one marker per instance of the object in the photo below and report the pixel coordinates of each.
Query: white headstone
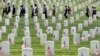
column 26, row 33
column 74, row 2
column 45, row 22
column 26, row 22
column 86, row 2
column 83, row 5
column 77, row 16
column 97, row 30
column 49, row 30
column 17, row 19
column 94, row 17
column 85, row 36
column 39, row 32
column 60, row 16
column 61, row 2
column 76, row 39
column 26, row 15
column 83, row 51
column 57, row 3
column 5, row 47
column 3, row 28
column 73, row 30
column 56, row 35
column 53, row 19
column 70, row 4
column 27, row 41
column 16, row 25
column 71, row 19
column 86, row 23
column 69, row 0
column 10, row 15
column 79, row 6
column 11, row 38
column 61, row 8
column 65, row 23
column 89, row 1
column 80, row 26
column 95, row 48
column 35, row 19
column 14, row 31
column 49, row 48
column 90, row 20
column 37, row 26
column 98, row 14
column 43, row 39
column 65, row 33
column 43, row 16
column 92, row 33
column 65, row 42
column 8, row 1
column 82, row 13
column 66, row 1
column 75, row 9
column 26, row 28
column 27, row 51
column 7, row 22
column 58, row 26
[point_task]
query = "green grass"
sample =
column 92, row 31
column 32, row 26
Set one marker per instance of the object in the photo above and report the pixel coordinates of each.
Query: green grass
column 38, row 50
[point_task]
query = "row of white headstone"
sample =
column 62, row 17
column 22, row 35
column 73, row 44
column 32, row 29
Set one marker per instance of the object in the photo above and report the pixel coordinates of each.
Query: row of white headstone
column 13, row 34
column 83, row 51
column 93, row 51
column 27, row 50
column 58, row 26
column 49, row 48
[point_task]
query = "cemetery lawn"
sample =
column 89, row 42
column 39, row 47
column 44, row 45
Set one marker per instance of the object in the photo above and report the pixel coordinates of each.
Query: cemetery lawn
column 38, row 50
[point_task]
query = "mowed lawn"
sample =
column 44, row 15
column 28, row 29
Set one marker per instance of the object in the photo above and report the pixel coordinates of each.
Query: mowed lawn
column 38, row 50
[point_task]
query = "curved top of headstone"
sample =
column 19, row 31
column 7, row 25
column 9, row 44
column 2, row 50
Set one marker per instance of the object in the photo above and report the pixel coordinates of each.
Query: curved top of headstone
column 83, row 48
column 95, row 41
column 28, row 48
